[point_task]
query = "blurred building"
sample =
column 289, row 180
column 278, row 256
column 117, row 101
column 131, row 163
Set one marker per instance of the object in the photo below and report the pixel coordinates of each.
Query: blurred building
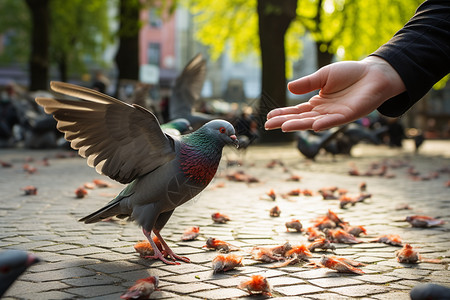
column 168, row 43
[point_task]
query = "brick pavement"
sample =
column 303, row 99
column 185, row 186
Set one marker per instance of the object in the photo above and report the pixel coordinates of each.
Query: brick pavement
column 97, row 261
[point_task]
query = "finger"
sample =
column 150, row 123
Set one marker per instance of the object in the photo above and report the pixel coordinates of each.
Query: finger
column 308, row 83
column 329, row 121
column 297, row 124
column 282, row 111
column 276, row 122
column 304, row 107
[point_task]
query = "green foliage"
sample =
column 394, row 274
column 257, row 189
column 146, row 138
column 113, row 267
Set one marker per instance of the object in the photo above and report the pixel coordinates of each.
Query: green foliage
column 79, row 32
column 350, row 28
column 232, row 22
column 359, row 27
column 15, row 26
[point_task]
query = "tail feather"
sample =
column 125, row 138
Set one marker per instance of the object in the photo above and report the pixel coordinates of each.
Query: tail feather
column 110, row 210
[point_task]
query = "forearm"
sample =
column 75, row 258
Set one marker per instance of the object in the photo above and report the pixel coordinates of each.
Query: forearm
column 420, row 54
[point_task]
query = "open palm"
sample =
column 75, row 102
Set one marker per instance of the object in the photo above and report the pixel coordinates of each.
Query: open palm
column 348, row 91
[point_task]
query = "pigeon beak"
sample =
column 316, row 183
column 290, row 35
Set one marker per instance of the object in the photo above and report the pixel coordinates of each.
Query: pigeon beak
column 31, row 260
column 235, row 140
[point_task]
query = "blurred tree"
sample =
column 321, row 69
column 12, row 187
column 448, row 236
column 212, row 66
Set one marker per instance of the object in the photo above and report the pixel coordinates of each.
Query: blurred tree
column 15, row 25
column 349, row 28
column 80, row 34
column 72, row 34
column 127, row 56
column 40, row 35
column 352, row 28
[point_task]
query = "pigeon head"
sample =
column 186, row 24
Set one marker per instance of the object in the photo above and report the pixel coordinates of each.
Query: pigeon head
column 221, row 131
column 12, row 264
column 180, row 124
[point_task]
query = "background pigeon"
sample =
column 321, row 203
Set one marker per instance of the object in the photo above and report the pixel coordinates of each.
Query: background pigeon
column 186, row 92
column 309, row 143
column 12, row 264
column 126, row 143
column 177, row 127
column 352, row 135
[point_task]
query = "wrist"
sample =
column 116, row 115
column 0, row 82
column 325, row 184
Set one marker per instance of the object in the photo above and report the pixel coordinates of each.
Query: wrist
column 388, row 76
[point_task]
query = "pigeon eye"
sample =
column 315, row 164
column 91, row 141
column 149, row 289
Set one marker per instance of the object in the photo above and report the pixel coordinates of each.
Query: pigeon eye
column 222, row 129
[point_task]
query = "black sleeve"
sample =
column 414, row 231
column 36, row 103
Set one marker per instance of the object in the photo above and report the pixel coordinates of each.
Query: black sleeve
column 420, row 53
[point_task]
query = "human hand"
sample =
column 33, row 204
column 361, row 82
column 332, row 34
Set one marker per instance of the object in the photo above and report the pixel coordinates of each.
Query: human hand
column 349, row 90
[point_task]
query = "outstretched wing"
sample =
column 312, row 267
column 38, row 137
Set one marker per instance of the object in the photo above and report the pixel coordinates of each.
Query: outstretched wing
column 188, row 87
column 119, row 140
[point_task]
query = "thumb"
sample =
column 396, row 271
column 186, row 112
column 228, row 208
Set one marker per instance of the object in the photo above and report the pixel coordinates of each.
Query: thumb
column 308, row 83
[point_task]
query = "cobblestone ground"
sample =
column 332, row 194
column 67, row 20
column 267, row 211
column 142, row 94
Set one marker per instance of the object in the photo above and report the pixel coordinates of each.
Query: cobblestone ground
column 98, row 261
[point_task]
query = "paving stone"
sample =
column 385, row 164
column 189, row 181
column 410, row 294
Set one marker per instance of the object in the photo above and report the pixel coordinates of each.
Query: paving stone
column 334, row 281
column 398, row 286
column 377, row 278
column 223, row 293
column 201, row 258
column 111, row 256
column 184, row 268
column 393, row 295
column 57, row 274
column 95, row 291
column 327, row 296
column 285, row 280
column 115, row 267
column 194, row 277
column 410, row 273
column 98, row 279
column 49, row 266
column 168, row 295
column 359, row 290
column 105, row 250
column 317, row 273
column 269, row 273
column 85, row 251
column 298, row 289
column 142, row 273
column 189, row 288
column 107, row 296
column 429, row 266
column 50, row 295
column 20, row 287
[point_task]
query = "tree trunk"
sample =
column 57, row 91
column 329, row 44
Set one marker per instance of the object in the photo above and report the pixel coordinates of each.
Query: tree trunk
column 323, row 57
column 39, row 57
column 274, row 19
column 62, row 67
column 127, row 56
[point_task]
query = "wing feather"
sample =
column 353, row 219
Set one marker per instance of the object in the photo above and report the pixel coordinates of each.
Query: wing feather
column 188, row 87
column 119, row 140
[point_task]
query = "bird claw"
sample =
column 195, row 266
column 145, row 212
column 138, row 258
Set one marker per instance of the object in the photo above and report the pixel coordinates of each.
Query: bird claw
column 182, row 258
column 161, row 258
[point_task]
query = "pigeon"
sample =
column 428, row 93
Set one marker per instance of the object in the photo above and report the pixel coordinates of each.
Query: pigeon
column 126, row 143
column 309, row 144
column 430, row 291
column 177, row 127
column 186, row 92
column 12, row 264
column 351, row 136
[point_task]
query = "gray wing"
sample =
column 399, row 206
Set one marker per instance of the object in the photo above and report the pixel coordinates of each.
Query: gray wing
column 120, row 140
column 188, row 87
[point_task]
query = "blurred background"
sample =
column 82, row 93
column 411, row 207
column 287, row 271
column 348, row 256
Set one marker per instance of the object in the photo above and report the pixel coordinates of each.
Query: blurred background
column 136, row 50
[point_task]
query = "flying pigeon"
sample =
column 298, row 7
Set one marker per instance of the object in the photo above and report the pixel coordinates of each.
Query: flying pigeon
column 186, row 92
column 126, row 143
column 12, row 264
